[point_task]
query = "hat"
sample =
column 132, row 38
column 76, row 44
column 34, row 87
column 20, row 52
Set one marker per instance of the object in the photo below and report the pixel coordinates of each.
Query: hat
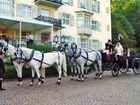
column 1, row 53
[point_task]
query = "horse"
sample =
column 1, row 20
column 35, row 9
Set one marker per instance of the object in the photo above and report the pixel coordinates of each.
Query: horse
column 37, row 60
column 17, row 60
column 84, row 59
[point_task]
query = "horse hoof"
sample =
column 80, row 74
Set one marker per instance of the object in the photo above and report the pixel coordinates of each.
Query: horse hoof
column 38, row 86
column 42, row 81
column 58, row 83
column 95, row 77
column 72, row 79
column 30, row 84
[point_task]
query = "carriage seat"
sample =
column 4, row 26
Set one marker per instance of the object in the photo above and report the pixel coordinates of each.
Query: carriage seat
column 122, row 61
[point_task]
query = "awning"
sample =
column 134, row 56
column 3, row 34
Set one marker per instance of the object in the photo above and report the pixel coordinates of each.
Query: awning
column 26, row 24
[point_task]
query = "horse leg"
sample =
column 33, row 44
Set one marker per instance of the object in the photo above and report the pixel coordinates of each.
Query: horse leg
column 82, row 72
column 86, row 70
column 42, row 72
column 78, row 69
column 72, row 72
column 33, row 75
column 38, row 76
column 75, row 71
column 96, row 71
column 100, row 68
column 60, row 73
column 19, row 72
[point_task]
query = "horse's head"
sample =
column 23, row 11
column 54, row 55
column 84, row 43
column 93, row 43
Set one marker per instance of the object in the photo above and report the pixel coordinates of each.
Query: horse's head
column 63, row 47
column 18, row 53
column 3, row 46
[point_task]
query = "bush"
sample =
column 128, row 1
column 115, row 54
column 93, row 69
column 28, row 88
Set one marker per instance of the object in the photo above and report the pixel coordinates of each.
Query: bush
column 42, row 48
column 137, row 51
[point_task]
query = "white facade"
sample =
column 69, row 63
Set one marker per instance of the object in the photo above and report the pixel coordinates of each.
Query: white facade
column 87, row 22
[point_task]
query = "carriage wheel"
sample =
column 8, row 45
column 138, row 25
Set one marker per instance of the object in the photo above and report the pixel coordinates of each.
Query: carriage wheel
column 115, row 70
column 136, row 66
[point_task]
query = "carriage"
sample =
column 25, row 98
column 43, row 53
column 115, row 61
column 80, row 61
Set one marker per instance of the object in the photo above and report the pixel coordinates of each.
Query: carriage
column 120, row 65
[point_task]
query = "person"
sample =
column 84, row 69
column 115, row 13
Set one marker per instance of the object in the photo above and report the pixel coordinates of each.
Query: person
column 109, row 46
column 129, row 57
column 119, row 50
column 27, row 39
column 31, row 38
column 2, row 69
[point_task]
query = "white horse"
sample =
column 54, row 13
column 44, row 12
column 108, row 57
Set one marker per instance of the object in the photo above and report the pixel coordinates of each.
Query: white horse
column 84, row 59
column 17, row 59
column 37, row 59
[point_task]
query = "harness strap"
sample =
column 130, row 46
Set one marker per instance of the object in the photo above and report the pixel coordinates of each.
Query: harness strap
column 87, row 58
column 98, row 57
column 41, row 60
column 79, row 54
column 31, row 56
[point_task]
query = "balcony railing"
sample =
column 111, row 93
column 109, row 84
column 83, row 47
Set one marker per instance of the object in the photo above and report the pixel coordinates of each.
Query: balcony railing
column 56, row 3
column 55, row 22
column 85, row 30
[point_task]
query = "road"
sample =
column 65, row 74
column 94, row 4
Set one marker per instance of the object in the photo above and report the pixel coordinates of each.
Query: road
column 121, row 90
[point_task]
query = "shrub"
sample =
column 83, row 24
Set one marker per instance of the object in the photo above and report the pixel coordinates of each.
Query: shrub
column 42, row 48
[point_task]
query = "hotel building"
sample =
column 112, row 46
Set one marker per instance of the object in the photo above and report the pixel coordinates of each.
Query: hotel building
column 86, row 22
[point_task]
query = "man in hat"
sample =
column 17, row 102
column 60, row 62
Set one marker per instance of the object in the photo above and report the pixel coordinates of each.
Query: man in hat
column 109, row 46
column 2, row 69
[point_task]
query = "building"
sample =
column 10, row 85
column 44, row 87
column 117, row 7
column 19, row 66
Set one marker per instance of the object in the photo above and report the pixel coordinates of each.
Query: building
column 87, row 22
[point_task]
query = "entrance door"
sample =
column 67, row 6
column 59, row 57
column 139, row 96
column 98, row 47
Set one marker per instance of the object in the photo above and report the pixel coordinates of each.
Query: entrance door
column 45, row 37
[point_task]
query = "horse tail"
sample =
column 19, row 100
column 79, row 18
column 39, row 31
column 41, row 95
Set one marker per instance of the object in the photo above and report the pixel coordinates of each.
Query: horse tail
column 64, row 65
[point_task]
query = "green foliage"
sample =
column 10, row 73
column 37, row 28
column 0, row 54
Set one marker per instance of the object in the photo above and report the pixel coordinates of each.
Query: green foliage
column 42, row 48
column 11, row 72
column 126, row 20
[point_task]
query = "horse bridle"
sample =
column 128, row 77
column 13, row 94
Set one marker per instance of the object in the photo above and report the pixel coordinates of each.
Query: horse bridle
column 3, row 47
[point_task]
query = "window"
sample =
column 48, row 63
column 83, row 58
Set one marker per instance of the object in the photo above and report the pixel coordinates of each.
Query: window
column 84, row 43
column 45, row 13
column 69, row 2
column 87, row 22
column 84, row 20
column 66, row 19
column 80, row 19
column 95, row 44
column 96, row 6
column 82, row 4
column 107, row 10
column 108, row 28
column 26, row 11
column 96, row 25
column 6, row 6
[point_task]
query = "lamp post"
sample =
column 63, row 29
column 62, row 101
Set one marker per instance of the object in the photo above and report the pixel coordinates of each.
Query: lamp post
column 20, row 33
column 62, row 39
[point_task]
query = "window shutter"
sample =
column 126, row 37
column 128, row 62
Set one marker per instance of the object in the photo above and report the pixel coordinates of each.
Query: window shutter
column 38, row 11
column 72, row 20
column 34, row 12
column 99, row 26
column 90, row 47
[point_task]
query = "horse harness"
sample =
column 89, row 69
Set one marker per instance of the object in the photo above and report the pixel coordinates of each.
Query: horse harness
column 87, row 57
column 42, row 58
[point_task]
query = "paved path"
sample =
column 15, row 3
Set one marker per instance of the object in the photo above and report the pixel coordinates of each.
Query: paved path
column 121, row 90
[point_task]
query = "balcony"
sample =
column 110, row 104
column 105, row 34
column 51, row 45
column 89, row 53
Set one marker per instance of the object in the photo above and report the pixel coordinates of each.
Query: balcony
column 55, row 3
column 84, row 30
column 55, row 22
